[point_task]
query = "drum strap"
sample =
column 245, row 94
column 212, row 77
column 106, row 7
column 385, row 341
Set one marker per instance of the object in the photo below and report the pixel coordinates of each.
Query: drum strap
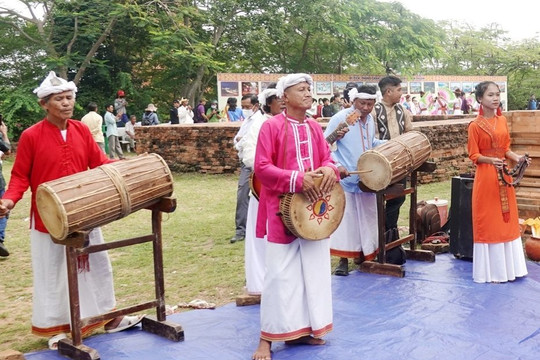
column 119, row 183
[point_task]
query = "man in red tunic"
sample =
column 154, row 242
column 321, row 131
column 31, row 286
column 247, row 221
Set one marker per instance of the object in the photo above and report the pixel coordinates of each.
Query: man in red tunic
column 53, row 148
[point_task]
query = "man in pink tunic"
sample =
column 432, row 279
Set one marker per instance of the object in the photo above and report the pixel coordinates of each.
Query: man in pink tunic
column 296, row 305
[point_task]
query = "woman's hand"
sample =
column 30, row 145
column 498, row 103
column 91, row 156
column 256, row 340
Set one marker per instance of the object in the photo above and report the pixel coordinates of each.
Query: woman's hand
column 498, row 163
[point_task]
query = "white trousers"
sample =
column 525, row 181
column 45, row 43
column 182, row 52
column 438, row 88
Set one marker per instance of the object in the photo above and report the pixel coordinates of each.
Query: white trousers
column 358, row 232
column 297, row 295
column 51, row 309
column 254, row 251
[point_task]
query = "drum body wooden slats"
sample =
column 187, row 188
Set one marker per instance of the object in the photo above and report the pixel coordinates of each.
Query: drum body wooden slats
column 393, row 160
column 313, row 221
column 99, row 196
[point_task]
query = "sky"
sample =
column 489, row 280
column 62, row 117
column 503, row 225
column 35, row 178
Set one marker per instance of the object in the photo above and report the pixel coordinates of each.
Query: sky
column 519, row 17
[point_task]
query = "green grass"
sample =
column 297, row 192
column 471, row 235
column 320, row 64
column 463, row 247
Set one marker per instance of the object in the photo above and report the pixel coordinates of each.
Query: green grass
column 199, row 261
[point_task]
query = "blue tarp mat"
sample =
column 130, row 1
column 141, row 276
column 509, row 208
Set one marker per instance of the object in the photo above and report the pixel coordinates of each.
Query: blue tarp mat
column 435, row 312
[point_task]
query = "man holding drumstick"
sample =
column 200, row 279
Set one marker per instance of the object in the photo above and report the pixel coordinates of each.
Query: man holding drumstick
column 355, row 237
column 53, row 148
column 296, row 304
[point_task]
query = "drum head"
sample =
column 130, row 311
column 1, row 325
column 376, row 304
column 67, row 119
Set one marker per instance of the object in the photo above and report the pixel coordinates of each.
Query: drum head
column 318, row 220
column 52, row 212
column 380, row 170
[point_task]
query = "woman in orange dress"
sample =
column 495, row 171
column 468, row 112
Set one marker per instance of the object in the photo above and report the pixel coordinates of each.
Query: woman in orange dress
column 498, row 250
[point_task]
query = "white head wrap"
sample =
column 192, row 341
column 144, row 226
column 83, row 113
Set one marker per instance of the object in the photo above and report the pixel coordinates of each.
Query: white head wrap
column 354, row 94
column 54, row 85
column 265, row 95
column 291, row 80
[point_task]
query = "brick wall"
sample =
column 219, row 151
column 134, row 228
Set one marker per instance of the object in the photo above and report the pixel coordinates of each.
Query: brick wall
column 208, row 148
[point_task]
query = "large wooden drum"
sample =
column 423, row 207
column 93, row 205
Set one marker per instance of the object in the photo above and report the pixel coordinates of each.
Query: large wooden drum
column 99, row 196
column 313, row 221
column 393, row 160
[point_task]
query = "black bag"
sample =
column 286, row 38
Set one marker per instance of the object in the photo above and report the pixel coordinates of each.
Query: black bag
column 397, row 254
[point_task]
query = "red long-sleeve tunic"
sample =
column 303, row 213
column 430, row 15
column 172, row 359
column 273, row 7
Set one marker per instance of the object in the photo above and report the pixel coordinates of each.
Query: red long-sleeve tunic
column 43, row 155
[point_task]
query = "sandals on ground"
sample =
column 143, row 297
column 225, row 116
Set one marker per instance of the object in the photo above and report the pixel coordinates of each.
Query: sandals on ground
column 53, row 341
column 127, row 322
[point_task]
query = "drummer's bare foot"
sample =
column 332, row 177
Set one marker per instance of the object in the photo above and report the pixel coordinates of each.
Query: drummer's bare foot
column 263, row 351
column 306, row 340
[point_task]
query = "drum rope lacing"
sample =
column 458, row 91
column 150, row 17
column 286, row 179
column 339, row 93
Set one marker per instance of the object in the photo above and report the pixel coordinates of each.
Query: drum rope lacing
column 409, row 152
column 119, row 183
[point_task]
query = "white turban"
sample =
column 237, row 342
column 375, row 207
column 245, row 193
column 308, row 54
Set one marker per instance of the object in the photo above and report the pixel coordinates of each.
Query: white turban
column 265, row 95
column 291, row 80
column 354, row 94
column 54, row 85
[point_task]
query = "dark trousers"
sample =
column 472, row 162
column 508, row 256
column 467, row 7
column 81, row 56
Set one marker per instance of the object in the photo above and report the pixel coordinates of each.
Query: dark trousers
column 242, row 201
column 392, row 209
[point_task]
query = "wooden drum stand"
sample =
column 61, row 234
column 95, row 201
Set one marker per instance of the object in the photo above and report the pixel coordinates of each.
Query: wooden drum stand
column 75, row 246
column 392, row 191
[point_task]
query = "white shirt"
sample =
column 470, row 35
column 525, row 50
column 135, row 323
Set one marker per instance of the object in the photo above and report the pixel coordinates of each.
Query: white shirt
column 185, row 116
column 130, row 128
column 250, row 140
column 239, row 139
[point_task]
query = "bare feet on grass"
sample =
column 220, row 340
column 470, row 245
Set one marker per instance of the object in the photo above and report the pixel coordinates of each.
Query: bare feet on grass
column 306, row 340
column 263, row 351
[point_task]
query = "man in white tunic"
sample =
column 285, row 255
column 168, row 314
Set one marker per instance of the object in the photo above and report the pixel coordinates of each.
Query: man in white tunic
column 255, row 247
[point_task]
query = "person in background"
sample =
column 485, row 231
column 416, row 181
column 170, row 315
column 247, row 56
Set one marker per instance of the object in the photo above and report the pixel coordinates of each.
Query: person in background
column 498, row 250
column 407, row 103
column 416, row 109
column 94, row 121
column 296, row 303
column 336, row 104
column 150, row 117
column 213, row 114
column 441, row 103
column 130, row 132
column 113, row 139
column 250, row 107
column 532, row 104
column 465, row 106
column 319, row 108
column 234, row 113
column 313, row 111
column 254, row 249
column 185, row 114
column 5, row 148
column 120, row 106
column 327, row 108
column 247, row 104
column 458, row 101
column 54, row 147
column 200, row 112
column 391, row 120
column 173, row 113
